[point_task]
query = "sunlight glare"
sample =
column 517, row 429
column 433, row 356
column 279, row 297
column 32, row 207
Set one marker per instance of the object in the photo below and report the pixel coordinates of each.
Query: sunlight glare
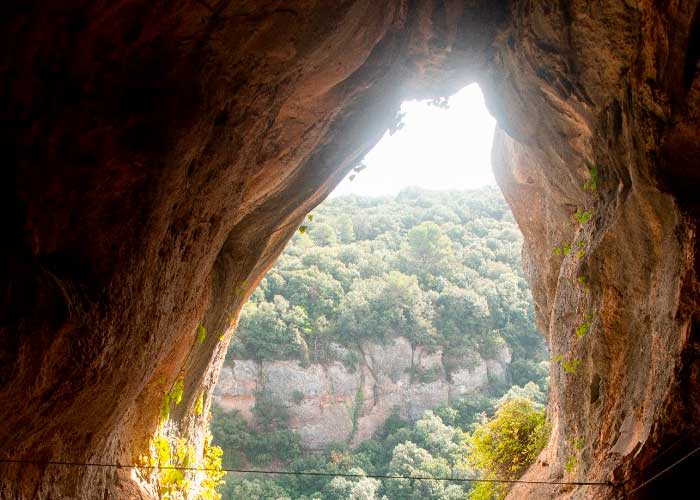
column 437, row 149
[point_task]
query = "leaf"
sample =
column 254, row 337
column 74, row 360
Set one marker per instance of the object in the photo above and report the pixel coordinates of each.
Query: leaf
column 583, row 217
column 303, row 228
column 310, row 217
column 199, row 407
column 352, row 177
column 201, row 333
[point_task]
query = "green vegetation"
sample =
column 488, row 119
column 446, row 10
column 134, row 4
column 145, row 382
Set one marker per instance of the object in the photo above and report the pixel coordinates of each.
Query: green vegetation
column 592, row 183
column 564, row 250
column 505, row 446
column 167, row 457
column 569, row 365
column 269, row 441
column 199, row 406
column 201, row 334
column 571, row 463
column 458, row 442
column 441, row 269
column 176, row 484
column 585, row 326
column 583, row 216
column 172, row 397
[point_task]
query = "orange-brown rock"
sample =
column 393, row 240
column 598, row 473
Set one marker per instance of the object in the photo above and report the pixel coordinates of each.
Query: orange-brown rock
column 161, row 154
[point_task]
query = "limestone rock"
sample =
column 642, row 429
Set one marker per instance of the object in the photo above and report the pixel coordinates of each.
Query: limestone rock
column 322, row 398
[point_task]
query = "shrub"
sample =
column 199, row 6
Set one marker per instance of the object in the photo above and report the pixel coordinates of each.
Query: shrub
column 297, row 396
column 505, row 446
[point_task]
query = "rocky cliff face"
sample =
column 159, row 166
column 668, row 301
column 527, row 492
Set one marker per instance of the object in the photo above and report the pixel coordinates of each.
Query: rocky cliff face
column 331, row 403
column 161, row 154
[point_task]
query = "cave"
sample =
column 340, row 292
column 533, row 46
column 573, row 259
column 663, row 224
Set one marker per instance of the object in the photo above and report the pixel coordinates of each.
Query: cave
column 163, row 153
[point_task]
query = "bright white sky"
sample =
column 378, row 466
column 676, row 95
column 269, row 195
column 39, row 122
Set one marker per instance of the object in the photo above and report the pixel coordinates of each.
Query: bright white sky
column 438, row 149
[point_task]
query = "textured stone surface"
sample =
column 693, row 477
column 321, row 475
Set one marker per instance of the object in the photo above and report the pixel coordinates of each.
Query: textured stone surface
column 330, row 391
column 159, row 155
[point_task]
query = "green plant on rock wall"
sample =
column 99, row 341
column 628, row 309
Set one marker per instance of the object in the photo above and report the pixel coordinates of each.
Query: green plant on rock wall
column 591, row 184
column 583, row 328
column 564, row 250
column 570, row 366
column 173, row 466
column 199, row 406
column 583, row 216
column 572, row 461
column 172, row 397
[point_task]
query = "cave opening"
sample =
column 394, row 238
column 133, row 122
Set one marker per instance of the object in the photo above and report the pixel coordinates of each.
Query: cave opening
column 399, row 305
column 161, row 155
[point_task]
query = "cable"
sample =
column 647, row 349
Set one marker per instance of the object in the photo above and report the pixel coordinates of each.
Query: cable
column 664, row 471
column 302, row 473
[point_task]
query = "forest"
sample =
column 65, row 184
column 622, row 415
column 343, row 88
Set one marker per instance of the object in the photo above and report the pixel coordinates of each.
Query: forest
column 438, row 268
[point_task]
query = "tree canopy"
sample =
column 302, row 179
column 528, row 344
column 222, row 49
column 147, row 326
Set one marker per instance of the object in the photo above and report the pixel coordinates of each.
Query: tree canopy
column 440, row 268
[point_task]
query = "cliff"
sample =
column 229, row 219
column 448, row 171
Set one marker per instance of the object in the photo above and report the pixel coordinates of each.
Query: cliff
column 159, row 156
column 332, row 403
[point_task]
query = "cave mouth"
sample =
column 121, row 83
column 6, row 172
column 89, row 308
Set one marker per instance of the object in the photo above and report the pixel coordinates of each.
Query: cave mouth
column 401, row 298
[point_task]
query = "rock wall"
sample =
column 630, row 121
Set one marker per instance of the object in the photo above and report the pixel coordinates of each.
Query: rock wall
column 160, row 154
column 331, row 403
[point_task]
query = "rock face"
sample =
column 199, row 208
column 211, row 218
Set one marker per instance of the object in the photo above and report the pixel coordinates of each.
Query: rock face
column 160, row 154
column 332, row 403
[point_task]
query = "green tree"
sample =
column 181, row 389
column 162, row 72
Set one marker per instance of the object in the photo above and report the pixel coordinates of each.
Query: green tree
column 409, row 460
column 317, row 292
column 462, row 316
column 341, row 488
column 345, row 229
column 427, row 251
column 407, row 309
column 252, row 489
column 270, row 331
column 323, row 234
column 506, row 445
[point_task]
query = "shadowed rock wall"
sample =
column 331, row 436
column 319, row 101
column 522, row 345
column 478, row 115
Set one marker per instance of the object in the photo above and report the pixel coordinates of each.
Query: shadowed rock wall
column 162, row 153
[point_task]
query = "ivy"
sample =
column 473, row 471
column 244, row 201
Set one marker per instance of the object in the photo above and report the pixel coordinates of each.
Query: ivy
column 562, row 250
column 173, row 396
column 583, row 216
column 585, row 326
column 199, row 407
column 592, row 183
column 165, row 460
column 569, row 366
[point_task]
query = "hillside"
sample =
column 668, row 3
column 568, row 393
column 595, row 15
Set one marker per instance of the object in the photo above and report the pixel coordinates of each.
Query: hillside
column 380, row 310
